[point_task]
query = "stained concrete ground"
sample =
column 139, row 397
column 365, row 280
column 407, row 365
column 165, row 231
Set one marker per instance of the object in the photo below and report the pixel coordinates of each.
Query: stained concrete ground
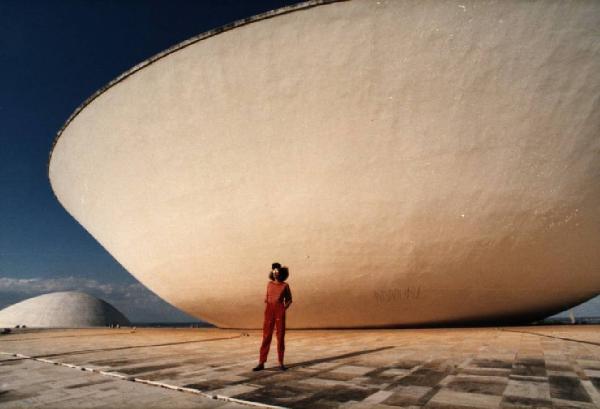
column 512, row 367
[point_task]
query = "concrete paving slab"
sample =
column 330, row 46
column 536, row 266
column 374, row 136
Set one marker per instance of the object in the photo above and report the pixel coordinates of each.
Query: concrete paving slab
column 408, row 395
column 446, row 398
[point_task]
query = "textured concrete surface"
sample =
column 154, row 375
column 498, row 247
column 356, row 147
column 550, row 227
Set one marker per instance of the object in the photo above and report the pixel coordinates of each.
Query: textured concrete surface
column 31, row 384
column 517, row 367
column 65, row 309
column 411, row 161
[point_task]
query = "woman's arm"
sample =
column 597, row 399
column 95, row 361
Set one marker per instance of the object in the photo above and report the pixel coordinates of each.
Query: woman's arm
column 287, row 297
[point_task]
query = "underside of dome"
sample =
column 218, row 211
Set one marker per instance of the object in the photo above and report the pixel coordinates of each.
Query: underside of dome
column 412, row 162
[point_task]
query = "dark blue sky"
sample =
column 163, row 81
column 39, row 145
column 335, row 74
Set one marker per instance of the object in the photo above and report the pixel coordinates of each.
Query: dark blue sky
column 53, row 55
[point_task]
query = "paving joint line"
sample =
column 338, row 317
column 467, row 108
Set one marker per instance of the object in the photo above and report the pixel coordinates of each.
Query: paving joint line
column 581, row 341
column 69, row 336
column 86, row 351
column 144, row 381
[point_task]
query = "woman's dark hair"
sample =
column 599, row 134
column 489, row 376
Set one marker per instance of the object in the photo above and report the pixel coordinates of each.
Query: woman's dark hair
column 284, row 273
column 273, row 267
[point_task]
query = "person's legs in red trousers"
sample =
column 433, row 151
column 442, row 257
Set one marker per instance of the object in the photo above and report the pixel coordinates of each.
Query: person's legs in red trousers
column 268, row 324
column 280, row 331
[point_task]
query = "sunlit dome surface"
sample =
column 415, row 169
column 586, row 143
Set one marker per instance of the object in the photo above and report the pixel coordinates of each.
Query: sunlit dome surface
column 68, row 309
column 412, row 162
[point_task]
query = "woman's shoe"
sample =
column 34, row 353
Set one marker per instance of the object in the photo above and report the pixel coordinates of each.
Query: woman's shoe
column 259, row 367
column 283, row 367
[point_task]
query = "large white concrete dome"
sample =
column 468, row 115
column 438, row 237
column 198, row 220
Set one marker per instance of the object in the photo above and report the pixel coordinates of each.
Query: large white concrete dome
column 69, row 309
column 412, row 162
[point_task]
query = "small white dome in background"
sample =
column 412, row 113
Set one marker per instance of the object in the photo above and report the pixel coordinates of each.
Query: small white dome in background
column 69, row 309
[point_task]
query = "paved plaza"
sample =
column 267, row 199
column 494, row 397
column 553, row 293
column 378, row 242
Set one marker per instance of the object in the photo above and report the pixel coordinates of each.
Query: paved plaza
column 511, row 367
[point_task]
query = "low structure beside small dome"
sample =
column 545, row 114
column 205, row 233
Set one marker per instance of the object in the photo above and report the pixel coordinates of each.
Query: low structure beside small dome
column 68, row 309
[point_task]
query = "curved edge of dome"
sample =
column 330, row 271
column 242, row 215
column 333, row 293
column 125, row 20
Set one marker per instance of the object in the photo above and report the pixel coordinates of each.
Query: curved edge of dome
column 203, row 36
column 120, row 318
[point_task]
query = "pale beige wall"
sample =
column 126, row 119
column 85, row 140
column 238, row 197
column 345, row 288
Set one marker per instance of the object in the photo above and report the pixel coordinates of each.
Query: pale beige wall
column 411, row 161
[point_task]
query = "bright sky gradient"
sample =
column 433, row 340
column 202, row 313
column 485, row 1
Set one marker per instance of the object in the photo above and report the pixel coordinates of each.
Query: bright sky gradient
column 54, row 55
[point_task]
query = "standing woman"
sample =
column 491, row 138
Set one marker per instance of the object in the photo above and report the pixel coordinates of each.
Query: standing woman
column 278, row 299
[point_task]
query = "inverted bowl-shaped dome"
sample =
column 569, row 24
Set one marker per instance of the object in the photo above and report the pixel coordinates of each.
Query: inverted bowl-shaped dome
column 69, row 309
column 412, row 162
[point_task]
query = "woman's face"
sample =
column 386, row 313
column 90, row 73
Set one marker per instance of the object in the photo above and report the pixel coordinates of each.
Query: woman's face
column 276, row 273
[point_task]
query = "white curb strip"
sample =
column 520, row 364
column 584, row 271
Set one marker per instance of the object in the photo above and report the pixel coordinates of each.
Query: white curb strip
column 145, row 381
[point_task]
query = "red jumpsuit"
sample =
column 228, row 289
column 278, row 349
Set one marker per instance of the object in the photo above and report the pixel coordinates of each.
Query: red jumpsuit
column 277, row 294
